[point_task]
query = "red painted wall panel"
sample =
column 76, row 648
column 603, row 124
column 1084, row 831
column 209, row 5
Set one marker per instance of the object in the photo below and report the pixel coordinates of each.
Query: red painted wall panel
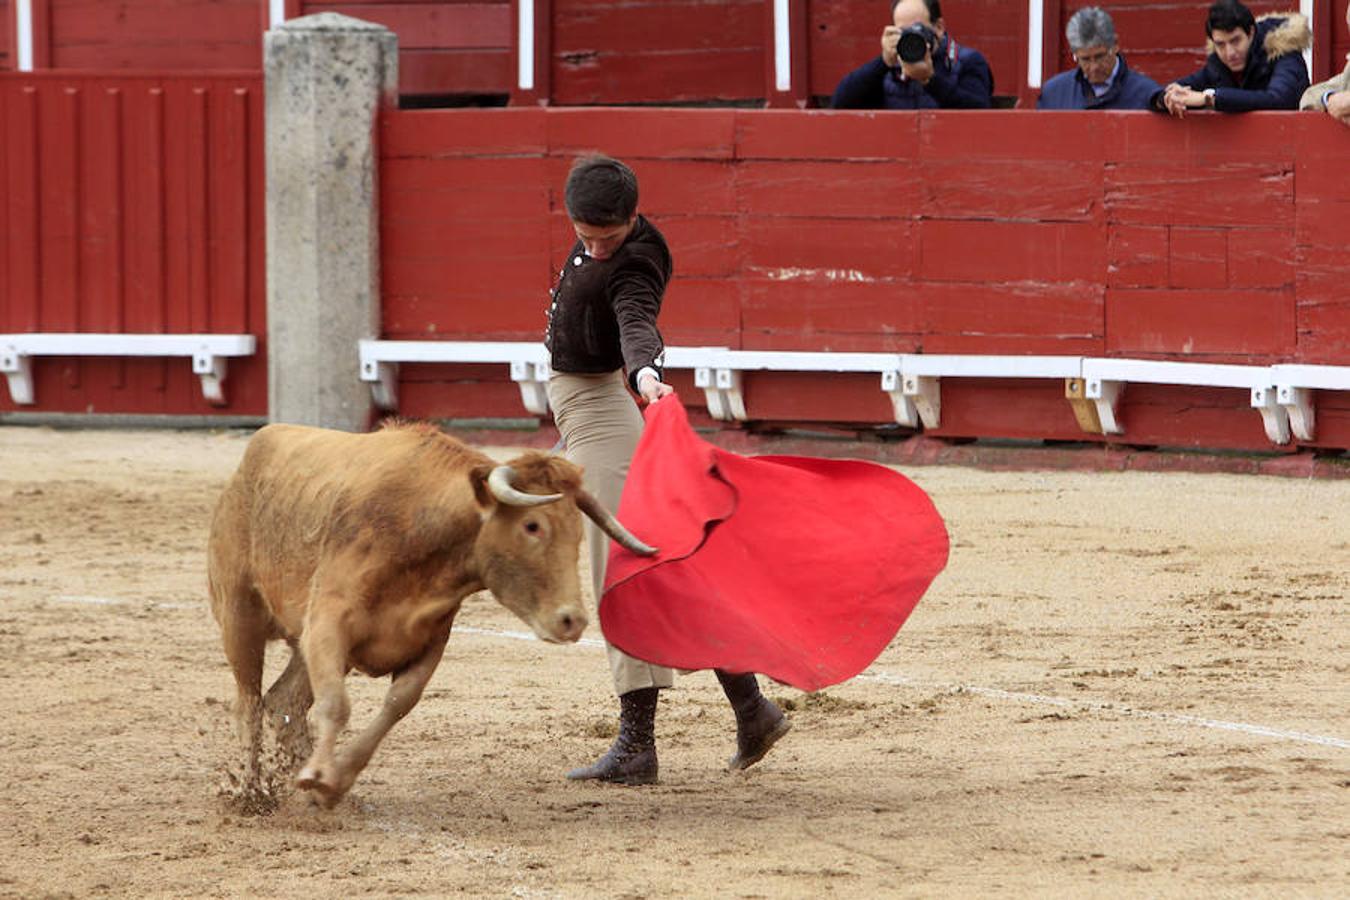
column 155, row 34
column 1020, row 233
column 454, row 47
column 6, row 36
column 133, row 204
column 622, row 51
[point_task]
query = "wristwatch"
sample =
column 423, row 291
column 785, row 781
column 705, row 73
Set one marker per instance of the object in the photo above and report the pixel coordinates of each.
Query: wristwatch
column 1326, row 95
column 1209, row 97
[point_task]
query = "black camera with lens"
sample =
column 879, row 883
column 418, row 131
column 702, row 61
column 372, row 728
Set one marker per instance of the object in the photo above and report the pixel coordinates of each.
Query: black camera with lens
column 916, row 42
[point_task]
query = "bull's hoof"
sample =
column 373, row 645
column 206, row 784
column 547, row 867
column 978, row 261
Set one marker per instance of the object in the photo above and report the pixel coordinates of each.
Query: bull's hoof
column 325, row 789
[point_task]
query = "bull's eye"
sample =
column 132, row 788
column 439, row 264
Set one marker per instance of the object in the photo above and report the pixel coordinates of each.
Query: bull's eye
column 532, row 527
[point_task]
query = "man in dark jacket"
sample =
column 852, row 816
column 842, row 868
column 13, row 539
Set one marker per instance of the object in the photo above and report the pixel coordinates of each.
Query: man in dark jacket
column 1102, row 79
column 603, row 342
column 947, row 76
column 1253, row 64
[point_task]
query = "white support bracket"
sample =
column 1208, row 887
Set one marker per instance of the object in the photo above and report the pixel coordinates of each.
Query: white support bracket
column 922, row 374
column 1106, row 379
column 925, row 393
column 1294, row 384
column 532, row 379
column 1105, row 395
column 528, row 362
column 209, row 353
column 902, row 406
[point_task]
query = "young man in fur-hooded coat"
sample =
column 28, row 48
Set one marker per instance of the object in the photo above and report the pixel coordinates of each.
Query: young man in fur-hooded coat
column 1253, row 64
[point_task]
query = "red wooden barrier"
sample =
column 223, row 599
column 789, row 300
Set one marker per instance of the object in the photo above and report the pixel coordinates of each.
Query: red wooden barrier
column 459, row 46
column 1133, row 235
column 7, row 25
column 133, row 205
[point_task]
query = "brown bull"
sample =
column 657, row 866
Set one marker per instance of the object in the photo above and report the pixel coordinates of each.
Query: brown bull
column 357, row 549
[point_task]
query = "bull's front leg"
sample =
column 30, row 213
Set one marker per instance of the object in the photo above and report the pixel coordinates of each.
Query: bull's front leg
column 405, row 689
column 324, row 648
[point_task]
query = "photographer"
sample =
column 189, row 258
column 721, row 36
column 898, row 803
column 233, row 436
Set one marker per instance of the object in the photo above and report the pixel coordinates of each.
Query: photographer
column 920, row 67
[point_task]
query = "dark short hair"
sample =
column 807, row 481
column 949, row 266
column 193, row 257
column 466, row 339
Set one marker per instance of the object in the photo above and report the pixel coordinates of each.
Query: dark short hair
column 600, row 191
column 934, row 8
column 1225, row 15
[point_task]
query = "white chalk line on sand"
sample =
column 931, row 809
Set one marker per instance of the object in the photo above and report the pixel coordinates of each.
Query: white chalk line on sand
column 901, row 681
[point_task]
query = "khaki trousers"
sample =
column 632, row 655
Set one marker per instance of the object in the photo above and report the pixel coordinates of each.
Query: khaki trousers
column 601, row 425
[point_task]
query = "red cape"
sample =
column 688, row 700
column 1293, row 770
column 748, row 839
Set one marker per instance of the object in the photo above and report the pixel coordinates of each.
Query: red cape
column 798, row 568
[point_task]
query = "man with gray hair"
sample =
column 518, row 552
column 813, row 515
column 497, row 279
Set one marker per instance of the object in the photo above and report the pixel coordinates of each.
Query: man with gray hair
column 1102, row 79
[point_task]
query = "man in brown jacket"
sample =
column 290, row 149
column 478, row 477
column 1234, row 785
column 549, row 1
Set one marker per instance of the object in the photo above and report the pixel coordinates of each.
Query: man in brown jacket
column 1333, row 95
column 602, row 322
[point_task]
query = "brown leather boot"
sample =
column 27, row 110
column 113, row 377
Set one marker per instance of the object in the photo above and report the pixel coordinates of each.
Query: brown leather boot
column 759, row 721
column 632, row 758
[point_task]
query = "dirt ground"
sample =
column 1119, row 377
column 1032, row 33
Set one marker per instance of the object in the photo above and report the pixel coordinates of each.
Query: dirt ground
column 1123, row 684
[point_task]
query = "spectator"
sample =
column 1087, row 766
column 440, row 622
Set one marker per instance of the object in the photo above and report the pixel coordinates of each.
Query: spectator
column 1252, row 64
column 1333, row 95
column 946, row 76
column 1102, row 79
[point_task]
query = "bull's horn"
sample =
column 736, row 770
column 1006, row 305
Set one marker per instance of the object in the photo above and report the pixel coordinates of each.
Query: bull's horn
column 612, row 526
column 499, row 482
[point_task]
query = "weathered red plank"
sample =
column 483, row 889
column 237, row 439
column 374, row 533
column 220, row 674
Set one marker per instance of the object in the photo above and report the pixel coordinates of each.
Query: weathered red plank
column 698, row 312
column 831, row 189
column 642, row 77
column 705, row 246
column 799, row 314
column 1138, row 256
column 964, row 250
column 1261, row 257
column 1149, row 193
column 1198, row 257
column 154, row 34
column 422, row 26
column 463, row 132
column 643, row 133
column 100, row 289
column 967, row 136
column 1021, row 408
column 700, row 187
column 820, row 135
column 828, row 250
column 1026, row 189
column 1058, row 311
column 815, row 397
column 455, row 71
column 59, row 192
column 1187, row 323
column 24, row 250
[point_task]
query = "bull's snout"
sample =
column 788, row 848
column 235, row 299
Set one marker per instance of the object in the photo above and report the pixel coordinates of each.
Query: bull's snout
column 564, row 626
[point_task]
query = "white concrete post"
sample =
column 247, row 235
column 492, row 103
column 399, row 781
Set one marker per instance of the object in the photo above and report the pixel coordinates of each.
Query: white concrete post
column 326, row 77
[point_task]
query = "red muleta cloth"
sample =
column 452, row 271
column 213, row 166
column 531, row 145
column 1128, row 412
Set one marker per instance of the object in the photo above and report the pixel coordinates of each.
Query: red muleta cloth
column 798, row 568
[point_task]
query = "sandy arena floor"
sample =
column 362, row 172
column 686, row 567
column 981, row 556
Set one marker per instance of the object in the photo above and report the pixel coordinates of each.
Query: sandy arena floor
column 1124, row 684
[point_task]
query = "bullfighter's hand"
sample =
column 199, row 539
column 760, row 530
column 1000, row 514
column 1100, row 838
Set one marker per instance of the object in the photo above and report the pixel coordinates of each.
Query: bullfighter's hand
column 920, row 71
column 1338, row 106
column 651, row 389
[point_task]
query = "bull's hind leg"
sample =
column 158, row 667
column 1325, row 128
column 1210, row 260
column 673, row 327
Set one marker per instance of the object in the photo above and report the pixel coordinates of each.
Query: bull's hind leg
column 405, row 689
column 245, row 627
column 286, row 709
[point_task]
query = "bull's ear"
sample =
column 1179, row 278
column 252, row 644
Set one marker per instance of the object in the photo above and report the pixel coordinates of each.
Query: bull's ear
column 478, row 477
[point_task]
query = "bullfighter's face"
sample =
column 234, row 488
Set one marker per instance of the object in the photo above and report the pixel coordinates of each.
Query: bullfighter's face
column 603, row 241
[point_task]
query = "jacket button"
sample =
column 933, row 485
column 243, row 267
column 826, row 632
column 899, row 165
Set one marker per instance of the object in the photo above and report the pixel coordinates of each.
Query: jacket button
column 576, row 261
